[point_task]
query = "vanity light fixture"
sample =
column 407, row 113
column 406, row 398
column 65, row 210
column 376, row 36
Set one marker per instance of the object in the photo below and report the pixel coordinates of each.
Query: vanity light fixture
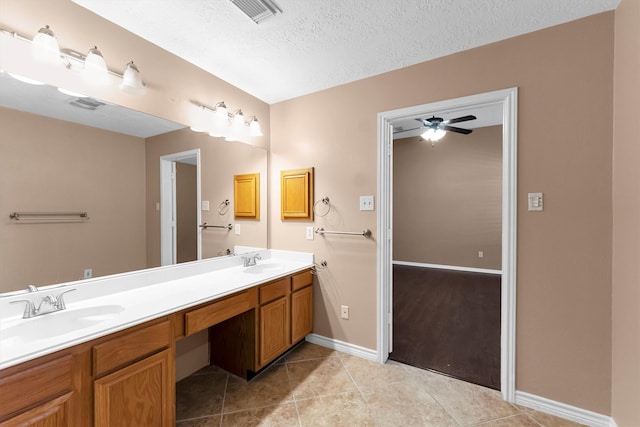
column 237, row 128
column 131, row 80
column 220, row 120
column 254, row 127
column 95, row 68
column 45, row 47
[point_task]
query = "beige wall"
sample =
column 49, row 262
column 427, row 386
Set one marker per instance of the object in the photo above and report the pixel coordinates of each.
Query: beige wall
column 220, row 160
column 48, row 165
column 564, row 75
column 626, row 216
column 447, row 199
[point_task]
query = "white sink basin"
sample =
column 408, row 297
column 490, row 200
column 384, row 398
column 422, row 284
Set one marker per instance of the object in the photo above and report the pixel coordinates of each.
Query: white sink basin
column 270, row 267
column 58, row 323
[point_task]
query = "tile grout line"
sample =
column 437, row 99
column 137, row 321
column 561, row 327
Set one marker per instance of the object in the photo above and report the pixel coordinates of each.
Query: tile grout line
column 224, row 396
column 364, row 399
column 293, row 396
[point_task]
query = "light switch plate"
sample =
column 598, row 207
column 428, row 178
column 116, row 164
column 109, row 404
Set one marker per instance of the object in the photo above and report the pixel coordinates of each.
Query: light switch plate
column 236, row 229
column 366, row 203
column 535, row 201
column 205, row 205
column 309, row 233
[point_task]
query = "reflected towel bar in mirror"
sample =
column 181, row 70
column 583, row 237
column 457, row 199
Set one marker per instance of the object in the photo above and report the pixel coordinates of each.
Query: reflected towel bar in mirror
column 49, row 216
column 205, row 225
column 365, row 233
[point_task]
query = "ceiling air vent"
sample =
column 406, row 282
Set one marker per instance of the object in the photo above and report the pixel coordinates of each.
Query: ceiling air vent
column 86, row 103
column 258, row 10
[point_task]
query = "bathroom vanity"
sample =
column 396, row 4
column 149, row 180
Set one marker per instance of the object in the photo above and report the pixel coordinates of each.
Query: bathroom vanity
column 120, row 371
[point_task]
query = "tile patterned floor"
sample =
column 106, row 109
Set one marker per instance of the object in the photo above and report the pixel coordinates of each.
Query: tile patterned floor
column 316, row 386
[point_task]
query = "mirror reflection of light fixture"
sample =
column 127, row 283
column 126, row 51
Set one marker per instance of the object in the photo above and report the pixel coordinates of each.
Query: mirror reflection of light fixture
column 220, row 120
column 44, row 46
column 71, row 93
column 254, row 127
column 237, row 127
column 95, row 68
column 131, row 80
column 25, row 79
column 433, row 135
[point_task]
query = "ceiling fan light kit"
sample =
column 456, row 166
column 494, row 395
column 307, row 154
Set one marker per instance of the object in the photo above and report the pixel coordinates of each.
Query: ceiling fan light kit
column 437, row 127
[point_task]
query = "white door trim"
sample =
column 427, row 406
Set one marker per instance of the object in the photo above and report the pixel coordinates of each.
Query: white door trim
column 508, row 98
column 168, row 254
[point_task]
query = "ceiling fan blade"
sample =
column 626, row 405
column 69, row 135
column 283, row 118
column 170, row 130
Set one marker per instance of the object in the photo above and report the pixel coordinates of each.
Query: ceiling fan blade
column 455, row 129
column 461, row 119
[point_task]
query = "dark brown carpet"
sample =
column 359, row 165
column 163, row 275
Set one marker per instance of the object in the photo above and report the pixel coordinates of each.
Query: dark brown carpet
column 449, row 322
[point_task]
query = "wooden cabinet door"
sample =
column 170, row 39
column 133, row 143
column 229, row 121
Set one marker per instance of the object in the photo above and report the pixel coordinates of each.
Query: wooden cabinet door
column 275, row 333
column 139, row 395
column 53, row 413
column 301, row 313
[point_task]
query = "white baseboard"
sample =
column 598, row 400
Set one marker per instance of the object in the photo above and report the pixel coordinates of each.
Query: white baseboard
column 352, row 349
column 448, row 267
column 563, row 410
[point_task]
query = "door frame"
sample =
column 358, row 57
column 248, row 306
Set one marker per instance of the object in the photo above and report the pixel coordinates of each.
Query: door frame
column 508, row 98
column 168, row 244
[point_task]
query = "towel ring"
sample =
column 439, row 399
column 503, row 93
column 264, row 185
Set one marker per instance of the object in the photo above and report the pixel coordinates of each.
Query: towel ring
column 223, row 207
column 325, row 201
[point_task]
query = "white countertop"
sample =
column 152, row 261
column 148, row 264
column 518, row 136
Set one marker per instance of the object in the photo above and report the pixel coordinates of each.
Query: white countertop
column 101, row 306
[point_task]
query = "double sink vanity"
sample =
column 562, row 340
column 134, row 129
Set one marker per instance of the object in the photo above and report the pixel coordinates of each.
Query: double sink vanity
column 108, row 357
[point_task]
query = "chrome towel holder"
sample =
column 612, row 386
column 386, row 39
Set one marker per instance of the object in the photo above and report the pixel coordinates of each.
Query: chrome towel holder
column 205, row 226
column 366, row 233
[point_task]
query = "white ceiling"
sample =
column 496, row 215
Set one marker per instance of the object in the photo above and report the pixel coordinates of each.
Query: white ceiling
column 314, row 45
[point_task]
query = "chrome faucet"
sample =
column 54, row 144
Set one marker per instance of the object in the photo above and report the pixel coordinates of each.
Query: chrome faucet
column 48, row 304
column 248, row 261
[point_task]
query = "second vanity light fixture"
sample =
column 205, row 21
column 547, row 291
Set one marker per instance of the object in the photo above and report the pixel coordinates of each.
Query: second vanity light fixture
column 218, row 122
column 92, row 66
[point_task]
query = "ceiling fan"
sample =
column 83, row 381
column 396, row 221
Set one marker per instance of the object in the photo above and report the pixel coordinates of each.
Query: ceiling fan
column 437, row 127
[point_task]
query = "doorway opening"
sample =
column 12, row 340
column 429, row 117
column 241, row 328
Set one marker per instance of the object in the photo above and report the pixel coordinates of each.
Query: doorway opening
column 180, row 201
column 507, row 101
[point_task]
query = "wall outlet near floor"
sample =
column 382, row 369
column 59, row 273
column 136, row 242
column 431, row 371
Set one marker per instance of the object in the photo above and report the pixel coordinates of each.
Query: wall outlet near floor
column 309, row 233
column 88, row 273
column 344, row 311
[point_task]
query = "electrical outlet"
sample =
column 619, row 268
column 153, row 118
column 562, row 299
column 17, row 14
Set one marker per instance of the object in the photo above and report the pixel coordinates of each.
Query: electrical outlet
column 344, row 311
column 236, row 229
column 480, row 254
column 366, row 203
column 205, row 205
column 88, row 273
column 309, row 233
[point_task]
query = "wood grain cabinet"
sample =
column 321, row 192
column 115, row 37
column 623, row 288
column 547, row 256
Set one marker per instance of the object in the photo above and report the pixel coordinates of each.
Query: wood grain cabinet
column 40, row 396
column 138, row 388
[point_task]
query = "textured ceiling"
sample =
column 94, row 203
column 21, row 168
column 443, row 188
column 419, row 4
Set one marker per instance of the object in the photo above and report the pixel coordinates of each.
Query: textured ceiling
column 314, row 45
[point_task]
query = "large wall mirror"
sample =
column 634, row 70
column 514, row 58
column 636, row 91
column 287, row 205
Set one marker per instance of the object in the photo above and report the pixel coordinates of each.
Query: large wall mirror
column 63, row 153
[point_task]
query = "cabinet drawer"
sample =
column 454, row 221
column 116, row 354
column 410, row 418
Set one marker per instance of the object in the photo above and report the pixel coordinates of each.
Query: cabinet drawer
column 33, row 386
column 125, row 349
column 300, row 280
column 216, row 312
column 274, row 290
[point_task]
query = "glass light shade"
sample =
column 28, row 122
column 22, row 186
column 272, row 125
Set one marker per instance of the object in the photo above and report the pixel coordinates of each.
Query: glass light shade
column 200, row 120
column 254, row 128
column 131, row 80
column 95, row 69
column 45, row 47
column 433, row 135
column 237, row 127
